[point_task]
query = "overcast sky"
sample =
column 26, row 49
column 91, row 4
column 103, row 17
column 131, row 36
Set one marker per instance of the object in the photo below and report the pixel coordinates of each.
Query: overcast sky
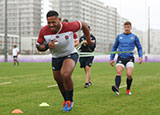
column 135, row 11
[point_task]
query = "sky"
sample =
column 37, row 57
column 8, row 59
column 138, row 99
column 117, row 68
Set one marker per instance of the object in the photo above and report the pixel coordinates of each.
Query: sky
column 135, row 11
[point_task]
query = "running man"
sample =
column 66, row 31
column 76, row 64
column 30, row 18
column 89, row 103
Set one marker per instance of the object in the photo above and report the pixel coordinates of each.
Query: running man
column 15, row 53
column 58, row 37
column 76, row 41
column 86, row 62
column 125, row 42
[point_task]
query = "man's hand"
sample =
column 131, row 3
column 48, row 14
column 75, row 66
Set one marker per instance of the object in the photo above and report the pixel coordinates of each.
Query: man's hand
column 52, row 44
column 140, row 60
column 84, row 42
column 112, row 63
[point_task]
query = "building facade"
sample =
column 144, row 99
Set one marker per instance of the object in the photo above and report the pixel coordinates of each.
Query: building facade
column 22, row 15
column 12, row 40
column 23, row 18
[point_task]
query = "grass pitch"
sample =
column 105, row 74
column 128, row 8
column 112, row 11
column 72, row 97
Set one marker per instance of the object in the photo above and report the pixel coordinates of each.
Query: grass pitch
column 24, row 87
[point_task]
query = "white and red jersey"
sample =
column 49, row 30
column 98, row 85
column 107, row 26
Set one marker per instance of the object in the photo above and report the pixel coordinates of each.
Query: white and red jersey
column 75, row 36
column 65, row 38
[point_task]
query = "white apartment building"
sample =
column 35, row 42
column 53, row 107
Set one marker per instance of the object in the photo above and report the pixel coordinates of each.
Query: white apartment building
column 104, row 21
column 23, row 19
column 12, row 40
column 22, row 15
column 154, row 41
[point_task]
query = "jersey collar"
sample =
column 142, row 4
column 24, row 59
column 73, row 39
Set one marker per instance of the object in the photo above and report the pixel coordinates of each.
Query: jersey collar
column 128, row 33
column 60, row 28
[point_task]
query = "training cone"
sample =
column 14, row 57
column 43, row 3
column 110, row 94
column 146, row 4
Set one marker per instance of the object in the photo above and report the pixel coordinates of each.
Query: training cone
column 17, row 111
column 44, row 104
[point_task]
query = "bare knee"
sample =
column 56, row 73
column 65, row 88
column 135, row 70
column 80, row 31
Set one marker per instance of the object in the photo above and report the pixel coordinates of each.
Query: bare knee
column 66, row 75
column 119, row 73
column 129, row 75
column 119, row 70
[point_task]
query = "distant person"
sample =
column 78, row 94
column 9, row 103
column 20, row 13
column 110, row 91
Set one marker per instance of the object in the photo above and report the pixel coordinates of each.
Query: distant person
column 76, row 41
column 86, row 62
column 125, row 42
column 58, row 37
column 15, row 53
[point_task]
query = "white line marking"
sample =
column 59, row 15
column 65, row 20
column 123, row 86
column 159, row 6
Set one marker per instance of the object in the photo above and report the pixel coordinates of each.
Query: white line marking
column 5, row 83
column 122, row 86
column 52, row 85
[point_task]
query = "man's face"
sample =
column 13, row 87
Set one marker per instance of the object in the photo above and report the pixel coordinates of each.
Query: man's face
column 54, row 23
column 127, row 29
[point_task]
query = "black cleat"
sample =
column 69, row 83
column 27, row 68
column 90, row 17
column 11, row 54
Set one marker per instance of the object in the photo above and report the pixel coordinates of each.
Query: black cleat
column 86, row 85
column 90, row 83
column 115, row 90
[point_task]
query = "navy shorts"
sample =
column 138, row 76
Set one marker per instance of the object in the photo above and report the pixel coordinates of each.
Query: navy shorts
column 57, row 62
column 14, row 57
column 86, row 61
column 124, row 61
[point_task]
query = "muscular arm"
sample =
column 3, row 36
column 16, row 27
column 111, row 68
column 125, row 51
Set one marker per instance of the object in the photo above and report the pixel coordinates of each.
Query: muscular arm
column 86, row 33
column 41, row 47
column 44, row 47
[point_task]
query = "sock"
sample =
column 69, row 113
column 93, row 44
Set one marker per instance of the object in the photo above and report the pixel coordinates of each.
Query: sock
column 64, row 95
column 69, row 95
column 117, row 81
column 129, row 82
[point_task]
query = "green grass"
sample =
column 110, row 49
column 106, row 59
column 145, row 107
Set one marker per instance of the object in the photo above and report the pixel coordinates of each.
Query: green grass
column 29, row 83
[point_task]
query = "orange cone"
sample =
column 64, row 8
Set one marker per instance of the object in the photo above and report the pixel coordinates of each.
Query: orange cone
column 17, row 111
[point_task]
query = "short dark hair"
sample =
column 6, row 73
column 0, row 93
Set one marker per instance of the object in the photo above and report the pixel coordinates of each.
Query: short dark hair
column 128, row 23
column 52, row 13
column 65, row 20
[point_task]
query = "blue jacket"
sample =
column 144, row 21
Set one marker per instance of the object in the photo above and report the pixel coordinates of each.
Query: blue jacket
column 126, row 42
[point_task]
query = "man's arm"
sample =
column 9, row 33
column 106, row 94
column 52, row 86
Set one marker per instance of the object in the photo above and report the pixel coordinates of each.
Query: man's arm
column 114, row 48
column 41, row 47
column 86, row 32
column 91, row 48
column 139, row 48
column 44, row 47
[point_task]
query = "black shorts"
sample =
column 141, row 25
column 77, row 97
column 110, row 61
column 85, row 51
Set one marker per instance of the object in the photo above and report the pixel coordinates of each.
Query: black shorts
column 86, row 61
column 57, row 62
column 124, row 61
column 14, row 57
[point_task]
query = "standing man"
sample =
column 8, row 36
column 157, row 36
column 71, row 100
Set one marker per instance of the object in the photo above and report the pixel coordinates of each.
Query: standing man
column 125, row 42
column 15, row 53
column 76, row 41
column 58, row 37
column 86, row 62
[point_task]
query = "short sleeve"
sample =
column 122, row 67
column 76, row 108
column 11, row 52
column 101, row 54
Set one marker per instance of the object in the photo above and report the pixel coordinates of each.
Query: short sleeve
column 74, row 26
column 41, row 37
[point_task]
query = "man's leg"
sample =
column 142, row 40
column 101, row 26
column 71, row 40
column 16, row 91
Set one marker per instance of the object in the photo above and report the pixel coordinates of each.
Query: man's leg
column 66, row 72
column 14, row 61
column 17, row 61
column 59, row 80
column 119, row 69
column 87, row 73
column 129, row 79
